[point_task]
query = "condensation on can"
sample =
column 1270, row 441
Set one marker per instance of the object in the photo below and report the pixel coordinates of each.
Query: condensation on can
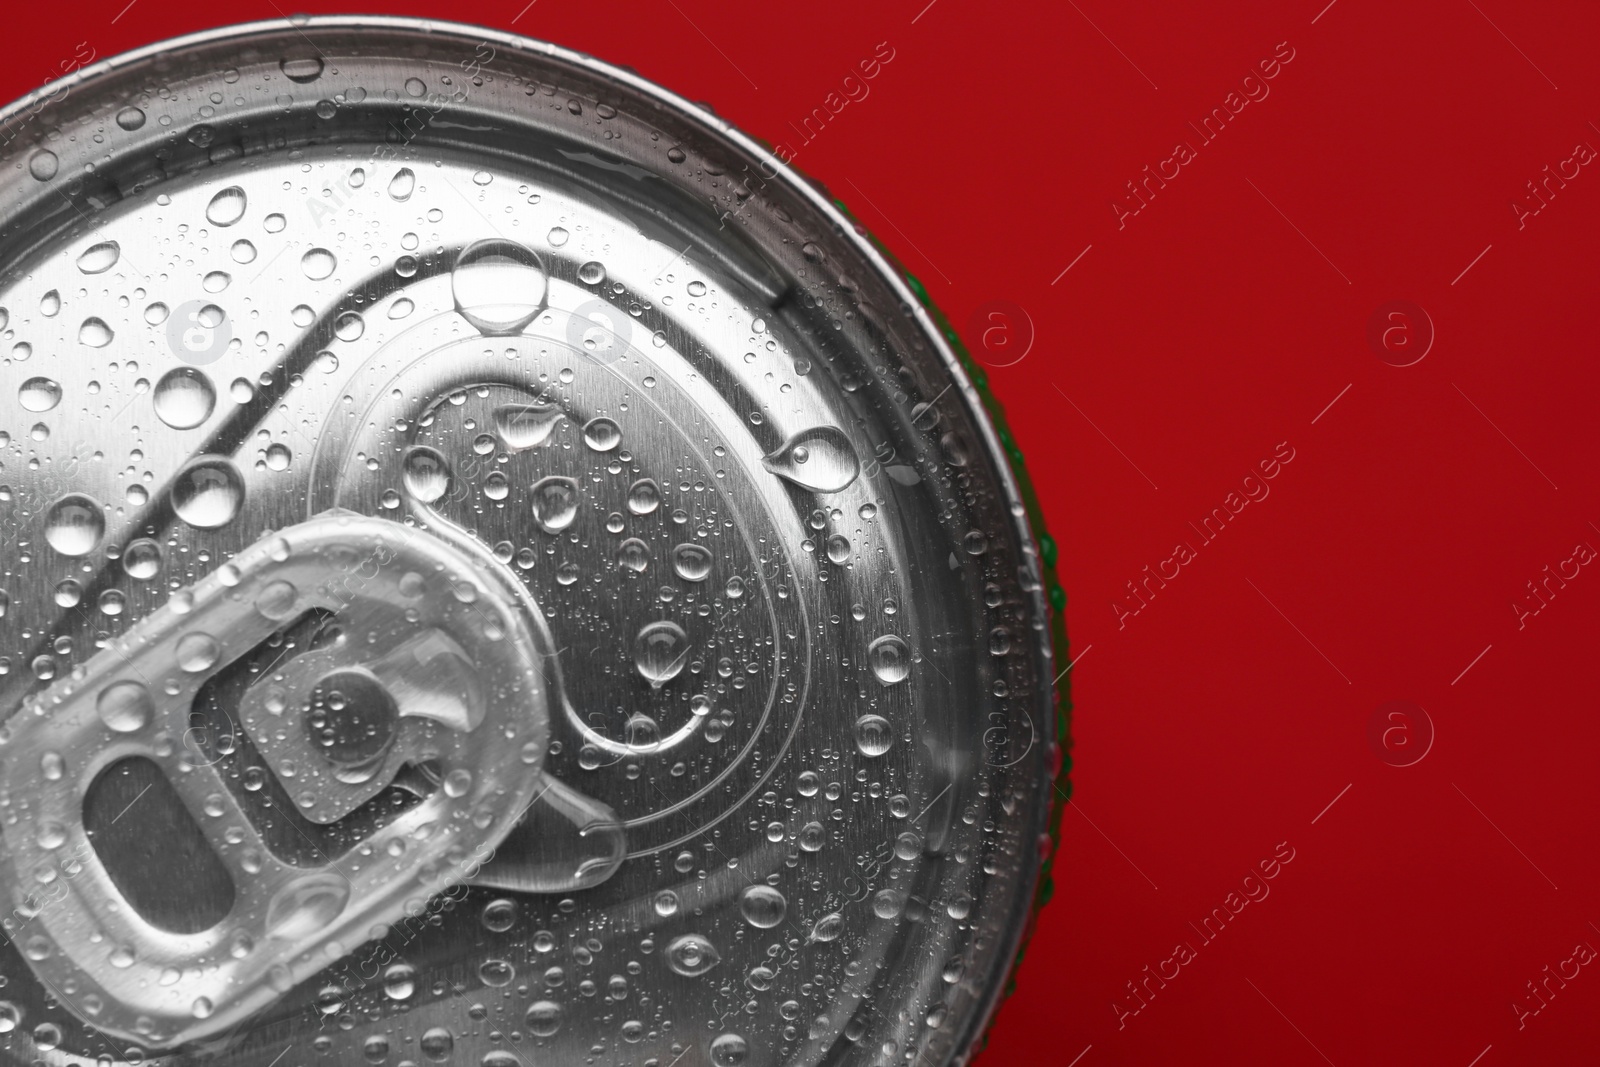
column 496, row 570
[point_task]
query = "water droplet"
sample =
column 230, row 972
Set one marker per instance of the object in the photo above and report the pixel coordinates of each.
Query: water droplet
column 697, row 288
column 525, row 426
column 496, row 973
column 142, row 559
column 499, row 286
column 241, row 391
column 660, row 651
column 402, row 184
column 306, row 905
column 94, row 332
column 39, row 394
column 68, row 593
column 903, row 473
column 820, row 459
column 301, row 71
column 555, row 503
column 811, row 837
column 544, row 1018
column 691, row 955
column 227, row 207
column 399, row 981
column 874, row 735
column 100, row 258
column 828, row 928
column 499, row 915
column 762, row 906
column 691, row 562
column 208, row 493
column 50, row 304
column 634, row 554
column 332, row 999
column 197, row 652
column 888, row 903
column 602, row 434
column 426, row 474
column 277, row 600
column 592, row 273
column 728, row 1050
column 839, row 548
column 44, row 164
column 644, row 496
column 557, row 236
column 890, row 659
column 243, row 251
column 184, row 398
column 318, row 263
column 74, row 525
column 130, row 118
column 278, row 456
column 436, row 1043
column 201, row 1008
column 349, row 327
column 125, row 706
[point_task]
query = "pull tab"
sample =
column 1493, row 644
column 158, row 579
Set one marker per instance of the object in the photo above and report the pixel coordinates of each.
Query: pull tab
column 425, row 669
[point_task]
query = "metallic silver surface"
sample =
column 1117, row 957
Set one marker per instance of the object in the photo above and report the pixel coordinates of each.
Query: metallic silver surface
column 691, row 436
column 470, row 701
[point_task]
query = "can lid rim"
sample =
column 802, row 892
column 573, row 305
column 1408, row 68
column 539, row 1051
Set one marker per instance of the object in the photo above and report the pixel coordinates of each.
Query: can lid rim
column 927, row 325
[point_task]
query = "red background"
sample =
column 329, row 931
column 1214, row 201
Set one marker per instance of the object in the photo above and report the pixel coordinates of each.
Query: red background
column 1176, row 353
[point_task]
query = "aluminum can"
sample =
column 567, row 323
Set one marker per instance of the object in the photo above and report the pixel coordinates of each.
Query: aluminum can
column 497, row 570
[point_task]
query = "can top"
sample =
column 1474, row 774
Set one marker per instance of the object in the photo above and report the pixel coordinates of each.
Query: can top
column 703, row 685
